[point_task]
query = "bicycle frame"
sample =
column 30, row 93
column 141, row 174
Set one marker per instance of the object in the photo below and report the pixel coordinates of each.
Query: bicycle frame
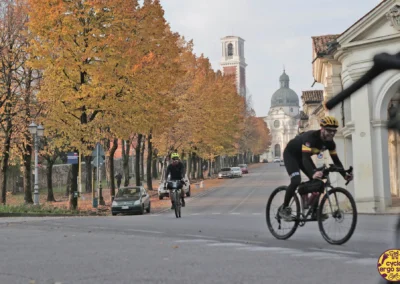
column 316, row 202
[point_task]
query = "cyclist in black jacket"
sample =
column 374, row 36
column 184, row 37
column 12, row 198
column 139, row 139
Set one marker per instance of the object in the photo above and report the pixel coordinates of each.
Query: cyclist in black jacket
column 177, row 171
column 297, row 156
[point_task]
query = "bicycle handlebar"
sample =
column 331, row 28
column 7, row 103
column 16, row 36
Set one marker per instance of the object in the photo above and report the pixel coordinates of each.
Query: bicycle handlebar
column 382, row 62
column 333, row 168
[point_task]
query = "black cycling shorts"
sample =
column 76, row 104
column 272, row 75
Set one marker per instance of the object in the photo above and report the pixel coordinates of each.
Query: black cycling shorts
column 293, row 164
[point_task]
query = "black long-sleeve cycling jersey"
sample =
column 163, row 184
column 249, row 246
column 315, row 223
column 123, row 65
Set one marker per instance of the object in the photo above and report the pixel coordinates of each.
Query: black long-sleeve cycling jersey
column 177, row 171
column 309, row 143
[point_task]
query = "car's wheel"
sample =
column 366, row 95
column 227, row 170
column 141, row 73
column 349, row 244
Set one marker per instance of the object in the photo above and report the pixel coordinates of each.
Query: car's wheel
column 161, row 197
column 141, row 212
column 113, row 213
column 188, row 193
column 148, row 208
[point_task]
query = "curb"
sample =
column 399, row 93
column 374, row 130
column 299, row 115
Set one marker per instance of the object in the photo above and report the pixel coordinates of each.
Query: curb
column 5, row 215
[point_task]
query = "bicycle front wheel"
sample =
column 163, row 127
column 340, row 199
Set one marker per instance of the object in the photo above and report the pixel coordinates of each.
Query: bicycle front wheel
column 177, row 204
column 337, row 208
column 285, row 229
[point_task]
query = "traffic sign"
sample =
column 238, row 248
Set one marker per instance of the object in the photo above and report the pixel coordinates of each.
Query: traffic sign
column 72, row 158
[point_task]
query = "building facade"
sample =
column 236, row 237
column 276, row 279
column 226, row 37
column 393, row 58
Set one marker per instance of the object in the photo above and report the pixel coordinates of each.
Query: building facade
column 283, row 118
column 363, row 140
column 233, row 61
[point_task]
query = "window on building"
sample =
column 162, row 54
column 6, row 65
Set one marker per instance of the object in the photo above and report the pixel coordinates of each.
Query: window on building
column 230, row 49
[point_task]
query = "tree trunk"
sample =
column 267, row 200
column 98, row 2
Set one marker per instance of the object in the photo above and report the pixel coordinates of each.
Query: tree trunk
column 69, row 179
column 189, row 163
column 4, row 165
column 111, row 164
column 126, row 146
column 154, row 171
column 49, row 173
column 88, row 179
column 137, row 159
column 28, row 175
column 73, row 199
column 149, row 163
column 193, row 166
column 199, row 168
column 142, row 158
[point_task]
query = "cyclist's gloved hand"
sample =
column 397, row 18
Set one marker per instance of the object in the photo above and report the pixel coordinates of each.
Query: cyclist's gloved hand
column 318, row 174
column 348, row 177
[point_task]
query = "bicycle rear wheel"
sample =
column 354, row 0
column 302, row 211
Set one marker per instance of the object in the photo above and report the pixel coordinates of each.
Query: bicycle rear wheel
column 271, row 214
column 340, row 207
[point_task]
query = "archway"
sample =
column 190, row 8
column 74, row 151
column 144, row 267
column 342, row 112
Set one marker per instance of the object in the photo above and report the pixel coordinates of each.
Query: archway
column 277, row 150
column 387, row 142
column 394, row 156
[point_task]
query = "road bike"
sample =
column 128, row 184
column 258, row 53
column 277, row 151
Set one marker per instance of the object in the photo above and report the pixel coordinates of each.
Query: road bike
column 175, row 187
column 382, row 62
column 322, row 193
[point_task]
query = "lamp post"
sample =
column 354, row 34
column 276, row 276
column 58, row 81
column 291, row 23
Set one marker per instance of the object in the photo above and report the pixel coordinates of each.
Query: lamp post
column 37, row 132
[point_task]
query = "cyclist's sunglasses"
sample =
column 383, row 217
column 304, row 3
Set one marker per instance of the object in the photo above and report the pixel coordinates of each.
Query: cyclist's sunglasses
column 331, row 130
column 175, row 159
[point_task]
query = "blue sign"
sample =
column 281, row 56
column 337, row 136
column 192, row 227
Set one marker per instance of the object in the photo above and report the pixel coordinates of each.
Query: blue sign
column 72, row 158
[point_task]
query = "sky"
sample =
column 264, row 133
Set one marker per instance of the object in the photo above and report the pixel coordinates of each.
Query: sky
column 276, row 34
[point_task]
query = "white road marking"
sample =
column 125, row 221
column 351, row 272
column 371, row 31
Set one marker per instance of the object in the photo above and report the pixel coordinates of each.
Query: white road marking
column 193, row 241
column 234, row 213
column 337, row 251
column 226, row 245
column 248, row 195
column 145, row 231
column 364, row 261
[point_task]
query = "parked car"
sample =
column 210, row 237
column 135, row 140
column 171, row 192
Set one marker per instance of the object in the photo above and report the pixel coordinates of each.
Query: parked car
column 277, row 160
column 265, row 161
column 236, row 171
column 244, row 168
column 282, row 163
column 225, row 173
column 164, row 192
column 133, row 199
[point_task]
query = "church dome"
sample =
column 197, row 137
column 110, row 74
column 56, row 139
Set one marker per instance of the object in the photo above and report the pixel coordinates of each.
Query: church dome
column 284, row 96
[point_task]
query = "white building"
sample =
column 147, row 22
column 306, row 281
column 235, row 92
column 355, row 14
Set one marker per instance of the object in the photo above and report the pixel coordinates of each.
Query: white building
column 283, row 118
column 233, row 61
column 362, row 139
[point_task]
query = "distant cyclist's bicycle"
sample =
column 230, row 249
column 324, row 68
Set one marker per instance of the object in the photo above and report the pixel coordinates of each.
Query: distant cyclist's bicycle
column 336, row 204
column 175, row 187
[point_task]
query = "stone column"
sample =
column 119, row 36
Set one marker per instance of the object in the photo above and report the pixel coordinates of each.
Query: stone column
column 381, row 166
column 363, row 158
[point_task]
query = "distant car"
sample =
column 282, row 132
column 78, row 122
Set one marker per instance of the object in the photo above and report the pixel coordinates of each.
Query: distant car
column 164, row 192
column 281, row 163
column 265, row 161
column 225, row 173
column 277, row 160
column 244, row 168
column 236, row 171
column 132, row 199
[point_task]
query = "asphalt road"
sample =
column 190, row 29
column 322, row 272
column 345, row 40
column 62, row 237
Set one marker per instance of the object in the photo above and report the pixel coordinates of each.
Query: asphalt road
column 222, row 237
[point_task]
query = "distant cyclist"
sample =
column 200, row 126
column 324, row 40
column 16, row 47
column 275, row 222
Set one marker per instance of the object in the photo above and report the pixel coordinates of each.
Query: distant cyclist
column 177, row 171
column 297, row 156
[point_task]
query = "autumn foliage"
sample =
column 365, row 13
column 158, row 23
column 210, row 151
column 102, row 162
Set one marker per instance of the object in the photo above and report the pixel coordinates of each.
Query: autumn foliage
column 115, row 70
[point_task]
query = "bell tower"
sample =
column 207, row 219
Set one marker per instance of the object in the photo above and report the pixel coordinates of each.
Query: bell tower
column 233, row 61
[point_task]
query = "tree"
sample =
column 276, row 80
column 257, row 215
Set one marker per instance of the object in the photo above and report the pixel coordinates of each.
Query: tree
column 78, row 45
column 15, row 86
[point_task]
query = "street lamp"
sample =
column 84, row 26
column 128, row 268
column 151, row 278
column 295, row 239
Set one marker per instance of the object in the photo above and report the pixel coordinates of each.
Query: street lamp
column 37, row 132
